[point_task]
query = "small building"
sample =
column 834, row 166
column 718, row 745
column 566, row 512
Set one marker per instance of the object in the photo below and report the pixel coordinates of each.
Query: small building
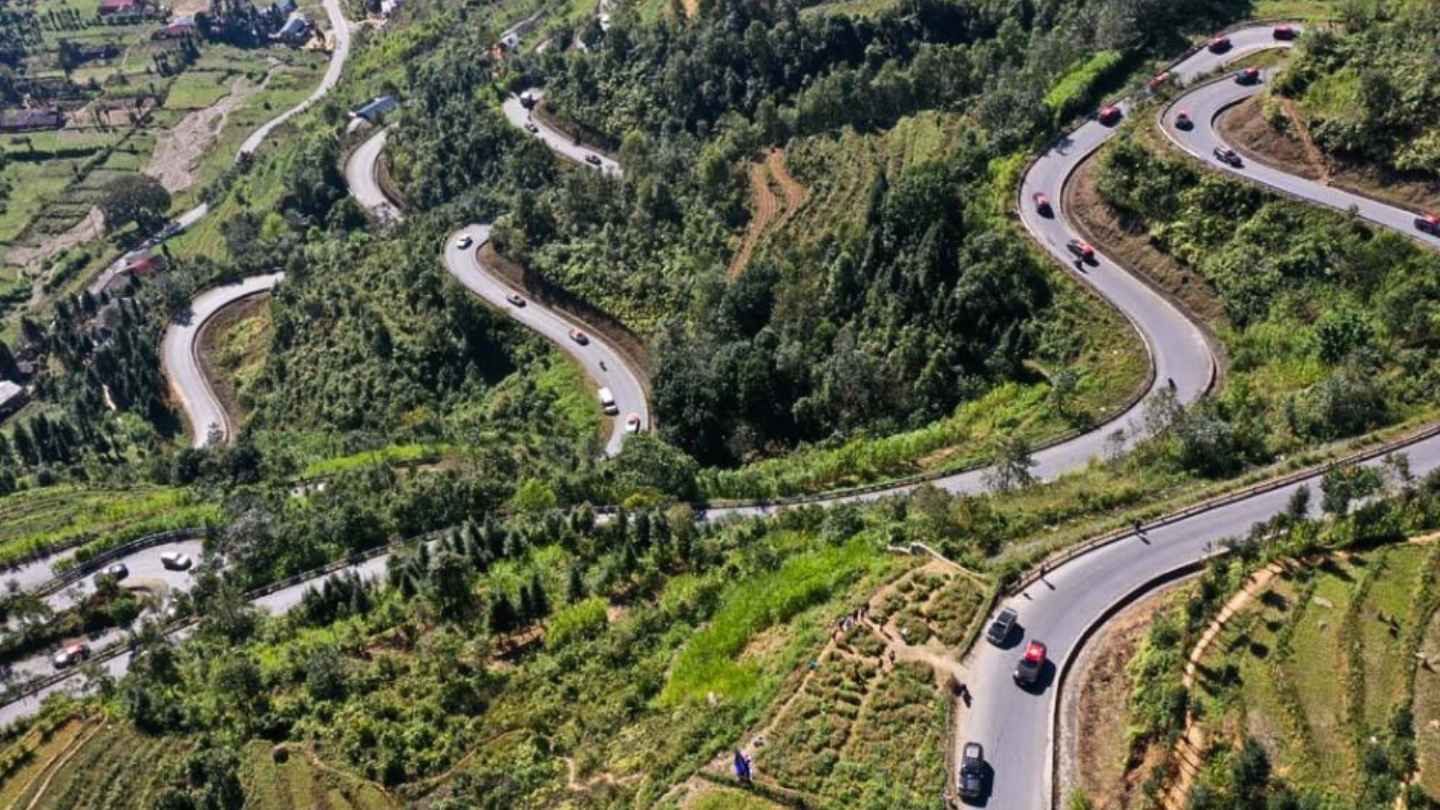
column 389, row 7
column 375, row 109
column 296, row 30
column 112, row 7
column 31, row 119
column 12, row 398
column 178, row 28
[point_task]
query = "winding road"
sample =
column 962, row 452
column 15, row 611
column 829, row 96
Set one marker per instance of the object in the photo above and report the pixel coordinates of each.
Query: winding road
column 1016, row 727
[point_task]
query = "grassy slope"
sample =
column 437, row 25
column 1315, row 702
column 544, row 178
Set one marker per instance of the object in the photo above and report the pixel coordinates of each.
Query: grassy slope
column 57, row 516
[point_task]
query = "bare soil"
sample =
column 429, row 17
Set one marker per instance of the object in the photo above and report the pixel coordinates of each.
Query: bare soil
column 766, row 206
column 178, row 151
column 1244, row 125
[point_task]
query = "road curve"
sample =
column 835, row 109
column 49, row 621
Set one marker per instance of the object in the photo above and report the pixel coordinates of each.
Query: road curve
column 180, row 355
column 1015, row 727
column 601, row 361
column 341, row 27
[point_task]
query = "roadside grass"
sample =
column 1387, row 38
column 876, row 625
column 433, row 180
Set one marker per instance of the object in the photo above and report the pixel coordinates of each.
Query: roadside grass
column 1294, row 9
column 117, row 768
column 574, row 396
column 193, row 90
column 393, row 454
column 710, row 662
column 297, row 783
column 45, row 519
column 235, row 345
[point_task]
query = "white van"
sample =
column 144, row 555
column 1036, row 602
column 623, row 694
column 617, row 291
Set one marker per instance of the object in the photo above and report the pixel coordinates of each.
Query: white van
column 607, row 401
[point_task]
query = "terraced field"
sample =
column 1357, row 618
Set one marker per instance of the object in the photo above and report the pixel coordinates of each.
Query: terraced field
column 113, row 767
column 1317, row 667
column 41, row 520
column 299, row 784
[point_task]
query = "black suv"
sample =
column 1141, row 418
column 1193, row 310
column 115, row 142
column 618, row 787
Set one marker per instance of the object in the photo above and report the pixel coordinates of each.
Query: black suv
column 971, row 778
column 1228, row 156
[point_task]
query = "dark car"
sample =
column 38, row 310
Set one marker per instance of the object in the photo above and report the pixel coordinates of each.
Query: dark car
column 1109, row 115
column 112, row 573
column 1228, row 156
column 1000, row 628
column 1042, row 204
column 593, row 160
column 579, row 337
column 1031, row 664
column 1219, row 45
column 1182, row 120
column 1249, row 75
column 1083, row 250
column 971, row 779
column 1428, row 223
column 1285, row 32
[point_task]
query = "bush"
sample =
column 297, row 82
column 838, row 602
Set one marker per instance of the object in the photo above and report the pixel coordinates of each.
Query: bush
column 584, row 619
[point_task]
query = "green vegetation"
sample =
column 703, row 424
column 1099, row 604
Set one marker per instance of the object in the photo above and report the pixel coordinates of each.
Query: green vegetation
column 1369, row 89
column 40, row 520
column 1325, row 317
column 1076, row 89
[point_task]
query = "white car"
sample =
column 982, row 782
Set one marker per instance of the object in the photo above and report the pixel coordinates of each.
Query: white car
column 632, row 423
column 464, row 242
column 176, row 561
column 70, row 655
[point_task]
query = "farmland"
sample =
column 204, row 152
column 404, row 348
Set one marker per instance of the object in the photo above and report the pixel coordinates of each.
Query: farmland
column 47, row 518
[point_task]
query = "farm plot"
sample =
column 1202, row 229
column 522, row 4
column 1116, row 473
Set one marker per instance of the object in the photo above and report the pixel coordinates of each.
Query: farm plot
column 867, row 721
column 297, row 783
column 114, row 768
column 1317, row 666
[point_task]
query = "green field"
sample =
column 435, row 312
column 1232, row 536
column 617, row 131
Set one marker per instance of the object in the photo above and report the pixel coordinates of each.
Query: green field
column 63, row 515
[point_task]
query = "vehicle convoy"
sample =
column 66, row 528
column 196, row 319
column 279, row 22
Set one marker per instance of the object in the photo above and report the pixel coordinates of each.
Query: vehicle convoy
column 1428, row 223
column 607, row 401
column 1030, row 665
column 971, row 779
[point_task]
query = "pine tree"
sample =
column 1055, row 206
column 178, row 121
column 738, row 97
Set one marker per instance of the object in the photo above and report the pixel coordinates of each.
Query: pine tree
column 24, row 445
column 539, row 601
column 502, row 614
column 8, row 368
column 575, row 590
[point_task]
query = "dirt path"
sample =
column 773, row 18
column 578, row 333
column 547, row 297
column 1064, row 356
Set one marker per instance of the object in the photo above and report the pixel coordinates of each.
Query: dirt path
column 1189, row 751
column 795, row 194
column 59, row 763
column 178, row 151
column 766, row 206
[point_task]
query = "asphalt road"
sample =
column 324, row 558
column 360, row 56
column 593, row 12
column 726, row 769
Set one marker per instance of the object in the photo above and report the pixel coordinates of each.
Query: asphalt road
column 601, row 361
column 559, row 143
column 179, row 355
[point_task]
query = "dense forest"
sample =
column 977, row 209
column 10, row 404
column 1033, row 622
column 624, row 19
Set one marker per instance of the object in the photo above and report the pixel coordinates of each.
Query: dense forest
column 927, row 305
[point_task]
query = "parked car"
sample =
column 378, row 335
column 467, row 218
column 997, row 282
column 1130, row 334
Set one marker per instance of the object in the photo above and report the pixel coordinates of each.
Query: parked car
column 464, row 242
column 1182, row 120
column 71, row 654
column 579, row 337
column 515, row 299
column 1042, row 204
column 112, row 573
column 1428, row 223
column 971, row 778
column 593, row 160
column 1228, row 156
column 1248, row 75
column 176, row 560
column 1285, row 32
column 1219, row 45
column 632, row 423
column 1030, row 665
column 1109, row 115
column 1000, row 628
column 1081, row 249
